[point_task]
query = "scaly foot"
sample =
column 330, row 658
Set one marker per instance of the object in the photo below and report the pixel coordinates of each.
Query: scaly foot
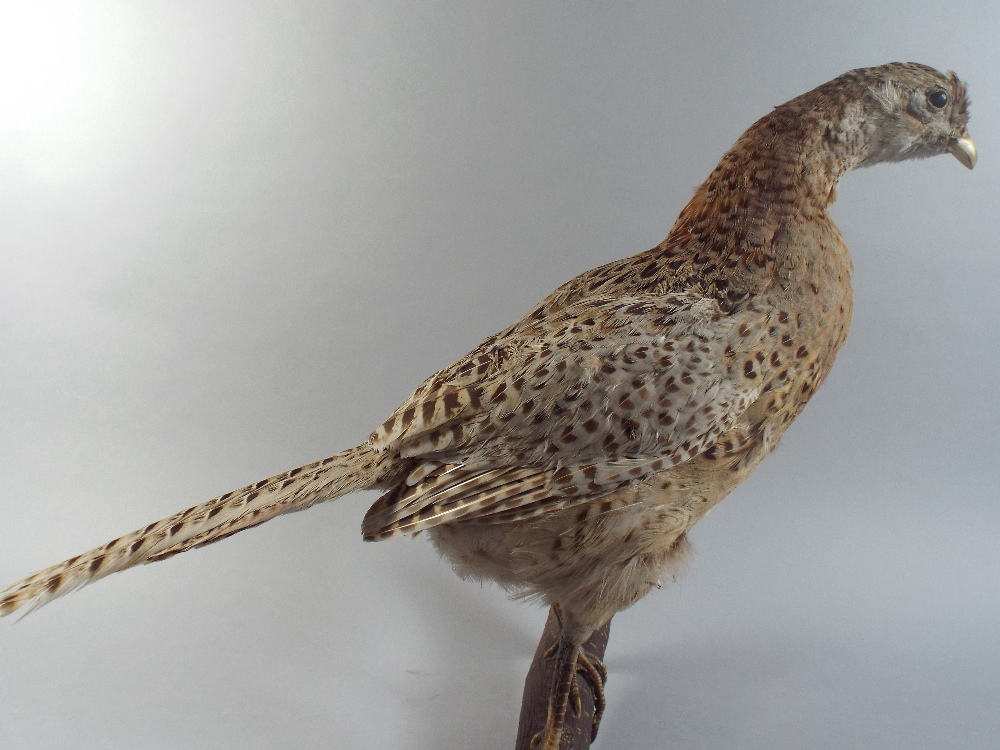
column 571, row 660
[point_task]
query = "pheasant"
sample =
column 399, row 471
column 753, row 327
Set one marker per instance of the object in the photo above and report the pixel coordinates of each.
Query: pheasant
column 567, row 456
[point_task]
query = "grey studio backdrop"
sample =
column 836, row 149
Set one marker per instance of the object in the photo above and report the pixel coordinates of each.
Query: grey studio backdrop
column 236, row 235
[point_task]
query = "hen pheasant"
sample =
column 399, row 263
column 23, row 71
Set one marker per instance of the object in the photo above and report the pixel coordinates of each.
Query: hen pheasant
column 567, row 456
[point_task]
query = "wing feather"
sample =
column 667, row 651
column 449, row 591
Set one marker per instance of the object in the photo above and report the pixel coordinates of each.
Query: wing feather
column 603, row 394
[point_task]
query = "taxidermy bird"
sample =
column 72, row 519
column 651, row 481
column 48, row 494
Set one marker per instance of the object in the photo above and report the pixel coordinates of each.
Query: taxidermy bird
column 567, row 456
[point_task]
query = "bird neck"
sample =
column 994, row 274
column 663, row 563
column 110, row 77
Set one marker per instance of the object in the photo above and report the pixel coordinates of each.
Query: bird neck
column 786, row 166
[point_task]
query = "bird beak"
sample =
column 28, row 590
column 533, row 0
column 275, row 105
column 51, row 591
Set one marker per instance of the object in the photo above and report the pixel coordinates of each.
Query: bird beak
column 964, row 149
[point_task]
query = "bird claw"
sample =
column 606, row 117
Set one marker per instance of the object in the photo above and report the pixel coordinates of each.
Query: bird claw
column 574, row 697
column 595, row 673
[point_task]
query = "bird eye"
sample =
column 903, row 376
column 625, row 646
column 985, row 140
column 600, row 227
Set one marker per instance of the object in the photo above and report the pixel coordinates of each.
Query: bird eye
column 937, row 98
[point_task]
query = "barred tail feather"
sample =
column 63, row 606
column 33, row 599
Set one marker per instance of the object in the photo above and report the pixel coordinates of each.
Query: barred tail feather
column 355, row 469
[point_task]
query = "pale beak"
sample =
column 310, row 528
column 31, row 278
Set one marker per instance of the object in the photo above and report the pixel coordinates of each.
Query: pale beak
column 964, row 149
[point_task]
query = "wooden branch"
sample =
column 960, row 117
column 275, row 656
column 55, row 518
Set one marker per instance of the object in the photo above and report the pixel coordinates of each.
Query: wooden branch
column 538, row 686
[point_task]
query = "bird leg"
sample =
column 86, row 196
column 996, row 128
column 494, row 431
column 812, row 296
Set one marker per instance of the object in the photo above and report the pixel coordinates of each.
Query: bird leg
column 567, row 656
column 571, row 660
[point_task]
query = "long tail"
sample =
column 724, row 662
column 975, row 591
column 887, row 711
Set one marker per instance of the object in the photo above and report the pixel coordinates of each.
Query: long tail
column 355, row 469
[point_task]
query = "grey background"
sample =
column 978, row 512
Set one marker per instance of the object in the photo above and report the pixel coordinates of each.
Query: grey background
column 235, row 236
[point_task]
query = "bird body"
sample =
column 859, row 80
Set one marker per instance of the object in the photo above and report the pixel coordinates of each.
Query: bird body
column 567, row 456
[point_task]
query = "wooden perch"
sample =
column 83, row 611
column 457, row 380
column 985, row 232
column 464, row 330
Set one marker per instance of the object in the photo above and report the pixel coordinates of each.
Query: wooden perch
column 538, row 686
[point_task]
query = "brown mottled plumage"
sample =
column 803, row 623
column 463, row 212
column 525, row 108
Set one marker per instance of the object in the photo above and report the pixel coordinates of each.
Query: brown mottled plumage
column 567, row 456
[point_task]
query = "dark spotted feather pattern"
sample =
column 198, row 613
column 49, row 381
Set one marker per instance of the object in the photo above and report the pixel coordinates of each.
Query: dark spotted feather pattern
column 617, row 389
column 199, row 525
column 567, row 456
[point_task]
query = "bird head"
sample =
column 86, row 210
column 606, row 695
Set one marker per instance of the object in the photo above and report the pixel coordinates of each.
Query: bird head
column 911, row 111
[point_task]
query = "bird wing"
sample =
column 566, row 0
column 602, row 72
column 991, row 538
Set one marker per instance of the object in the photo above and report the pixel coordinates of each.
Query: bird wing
column 567, row 409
